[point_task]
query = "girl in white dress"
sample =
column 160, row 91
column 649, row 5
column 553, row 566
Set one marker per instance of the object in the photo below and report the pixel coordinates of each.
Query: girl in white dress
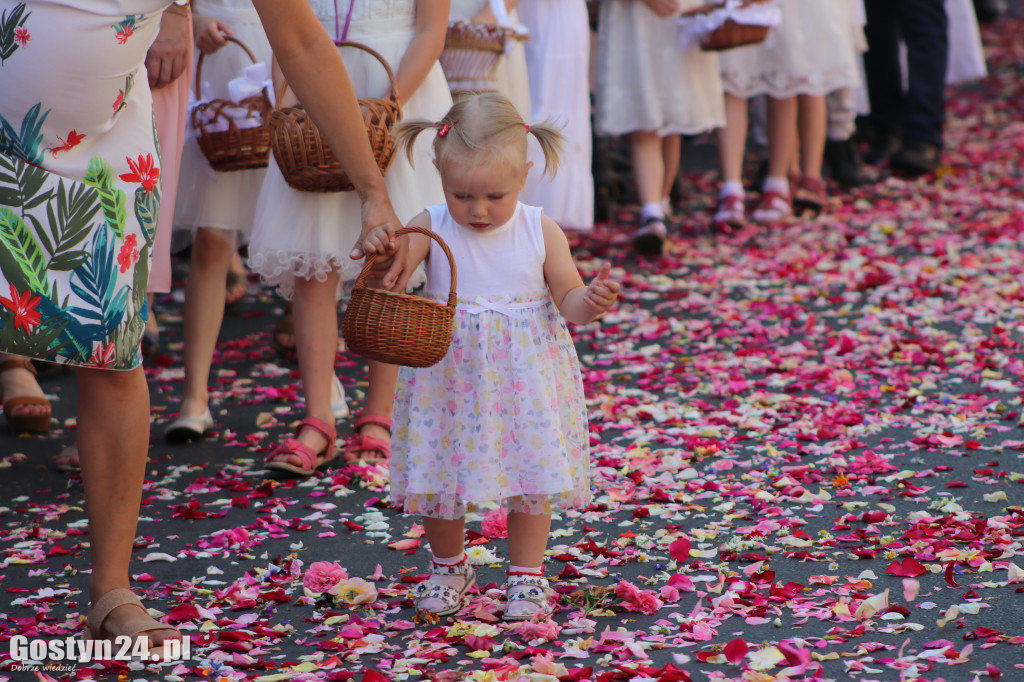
column 558, row 66
column 214, row 209
column 809, row 55
column 654, row 91
column 501, row 418
column 302, row 240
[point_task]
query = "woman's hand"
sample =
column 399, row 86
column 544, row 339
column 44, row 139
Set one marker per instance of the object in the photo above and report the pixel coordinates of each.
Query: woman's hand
column 602, row 292
column 378, row 238
column 211, row 34
column 168, row 56
column 664, row 8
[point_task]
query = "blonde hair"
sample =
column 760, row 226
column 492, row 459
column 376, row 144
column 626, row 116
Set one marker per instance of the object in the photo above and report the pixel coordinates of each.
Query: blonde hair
column 483, row 124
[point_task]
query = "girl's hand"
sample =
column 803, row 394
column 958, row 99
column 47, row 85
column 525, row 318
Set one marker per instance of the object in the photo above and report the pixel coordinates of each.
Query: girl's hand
column 390, row 264
column 211, row 34
column 602, row 292
column 664, row 8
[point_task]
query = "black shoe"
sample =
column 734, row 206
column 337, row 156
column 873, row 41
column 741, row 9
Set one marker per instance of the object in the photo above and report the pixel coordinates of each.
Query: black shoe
column 841, row 157
column 917, row 157
column 649, row 239
column 880, row 148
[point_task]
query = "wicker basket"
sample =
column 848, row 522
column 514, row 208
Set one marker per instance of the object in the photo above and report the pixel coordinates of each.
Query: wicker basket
column 471, row 55
column 305, row 159
column 398, row 328
column 235, row 148
column 730, row 34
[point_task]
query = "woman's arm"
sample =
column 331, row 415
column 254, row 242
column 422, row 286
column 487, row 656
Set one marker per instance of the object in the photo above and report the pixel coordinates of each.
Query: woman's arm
column 315, row 72
column 577, row 302
column 425, row 48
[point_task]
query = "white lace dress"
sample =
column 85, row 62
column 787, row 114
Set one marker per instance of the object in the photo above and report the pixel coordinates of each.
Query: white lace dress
column 558, row 64
column 501, row 418
column 646, row 81
column 208, row 198
column 813, row 52
column 307, row 234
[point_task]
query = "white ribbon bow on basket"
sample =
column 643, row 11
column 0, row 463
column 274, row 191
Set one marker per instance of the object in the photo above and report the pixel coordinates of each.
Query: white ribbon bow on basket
column 693, row 27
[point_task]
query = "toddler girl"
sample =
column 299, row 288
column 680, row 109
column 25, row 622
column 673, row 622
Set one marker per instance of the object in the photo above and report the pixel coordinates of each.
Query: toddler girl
column 501, row 418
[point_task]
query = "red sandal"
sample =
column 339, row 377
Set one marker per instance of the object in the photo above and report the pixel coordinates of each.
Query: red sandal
column 359, row 442
column 311, row 461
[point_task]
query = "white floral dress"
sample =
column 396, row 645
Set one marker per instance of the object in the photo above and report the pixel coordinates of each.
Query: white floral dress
column 79, row 179
column 502, row 417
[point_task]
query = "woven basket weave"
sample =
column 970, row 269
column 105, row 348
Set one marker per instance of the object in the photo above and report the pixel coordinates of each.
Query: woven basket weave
column 235, row 148
column 471, row 55
column 398, row 328
column 730, row 34
column 306, row 160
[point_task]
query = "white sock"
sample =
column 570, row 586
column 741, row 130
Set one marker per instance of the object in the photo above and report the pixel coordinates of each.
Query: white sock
column 652, row 210
column 539, row 570
column 780, row 185
column 449, row 561
column 731, row 188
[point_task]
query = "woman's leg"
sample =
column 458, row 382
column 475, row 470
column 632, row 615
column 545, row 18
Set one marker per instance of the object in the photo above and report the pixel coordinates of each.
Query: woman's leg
column 204, row 314
column 113, row 439
column 18, row 382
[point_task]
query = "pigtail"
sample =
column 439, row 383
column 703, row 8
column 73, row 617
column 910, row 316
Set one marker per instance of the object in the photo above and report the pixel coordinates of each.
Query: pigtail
column 552, row 144
column 406, row 132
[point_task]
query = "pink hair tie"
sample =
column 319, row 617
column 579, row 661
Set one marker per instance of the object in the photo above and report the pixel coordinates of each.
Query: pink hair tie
column 527, row 126
column 445, row 128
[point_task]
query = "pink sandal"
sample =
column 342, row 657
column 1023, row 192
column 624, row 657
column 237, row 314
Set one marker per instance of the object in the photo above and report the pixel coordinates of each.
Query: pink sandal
column 359, row 442
column 311, row 461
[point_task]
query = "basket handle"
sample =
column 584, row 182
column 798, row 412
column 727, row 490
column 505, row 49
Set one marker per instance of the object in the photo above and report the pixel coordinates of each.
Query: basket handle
column 202, row 56
column 365, row 48
column 452, row 296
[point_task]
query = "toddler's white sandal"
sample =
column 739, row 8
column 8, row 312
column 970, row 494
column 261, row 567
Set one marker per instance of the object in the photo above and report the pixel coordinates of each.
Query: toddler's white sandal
column 529, row 594
column 450, row 598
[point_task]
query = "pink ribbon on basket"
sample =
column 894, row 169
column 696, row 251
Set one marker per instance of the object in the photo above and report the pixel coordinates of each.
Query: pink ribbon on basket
column 340, row 35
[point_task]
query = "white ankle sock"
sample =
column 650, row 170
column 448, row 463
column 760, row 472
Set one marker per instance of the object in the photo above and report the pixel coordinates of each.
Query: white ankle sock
column 449, row 561
column 652, row 210
column 731, row 188
column 515, row 570
column 780, row 185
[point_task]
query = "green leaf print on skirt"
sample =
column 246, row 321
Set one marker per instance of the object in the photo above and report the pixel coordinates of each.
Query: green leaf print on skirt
column 76, row 263
column 112, row 199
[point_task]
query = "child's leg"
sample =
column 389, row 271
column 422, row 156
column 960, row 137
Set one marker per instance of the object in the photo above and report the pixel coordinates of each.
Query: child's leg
column 316, row 339
column 451, row 575
column 732, row 140
column 372, row 441
column 776, row 203
column 813, row 122
column 526, row 588
column 649, row 174
column 204, row 313
column 671, row 152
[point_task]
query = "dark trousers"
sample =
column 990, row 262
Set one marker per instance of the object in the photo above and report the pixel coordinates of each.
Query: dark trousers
column 918, row 113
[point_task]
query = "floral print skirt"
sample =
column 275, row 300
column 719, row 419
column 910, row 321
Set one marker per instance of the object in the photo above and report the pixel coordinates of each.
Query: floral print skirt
column 500, row 419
